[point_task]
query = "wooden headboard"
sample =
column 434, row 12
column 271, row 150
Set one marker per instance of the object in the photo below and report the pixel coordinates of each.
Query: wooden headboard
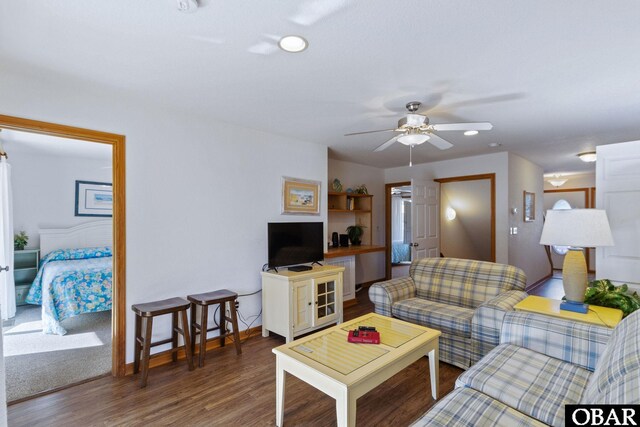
column 97, row 233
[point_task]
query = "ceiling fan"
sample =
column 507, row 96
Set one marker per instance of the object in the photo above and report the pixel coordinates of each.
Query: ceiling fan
column 415, row 129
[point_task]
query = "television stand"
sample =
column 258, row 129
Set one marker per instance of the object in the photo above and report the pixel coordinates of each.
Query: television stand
column 300, row 268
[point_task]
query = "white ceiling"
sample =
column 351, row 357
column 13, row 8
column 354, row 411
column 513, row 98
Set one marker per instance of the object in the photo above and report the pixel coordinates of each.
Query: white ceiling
column 554, row 77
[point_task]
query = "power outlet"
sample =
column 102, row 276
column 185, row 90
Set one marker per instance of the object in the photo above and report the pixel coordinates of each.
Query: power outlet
column 237, row 304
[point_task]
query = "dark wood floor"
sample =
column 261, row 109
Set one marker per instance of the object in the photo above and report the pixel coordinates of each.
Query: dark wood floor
column 230, row 390
column 237, row 390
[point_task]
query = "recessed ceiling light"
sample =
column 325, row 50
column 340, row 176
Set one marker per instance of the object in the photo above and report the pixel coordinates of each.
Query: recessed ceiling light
column 494, row 144
column 589, row 156
column 293, row 44
column 471, row 132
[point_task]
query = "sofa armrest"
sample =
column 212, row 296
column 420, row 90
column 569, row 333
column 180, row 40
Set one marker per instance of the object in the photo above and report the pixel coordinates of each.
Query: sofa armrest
column 574, row 342
column 384, row 294
column 487, row 322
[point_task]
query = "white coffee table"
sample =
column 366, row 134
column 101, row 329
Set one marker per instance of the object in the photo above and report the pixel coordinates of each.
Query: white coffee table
column 346, row 371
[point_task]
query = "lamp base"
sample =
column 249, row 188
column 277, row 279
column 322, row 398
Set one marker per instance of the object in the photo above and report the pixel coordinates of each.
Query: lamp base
column 575, row 306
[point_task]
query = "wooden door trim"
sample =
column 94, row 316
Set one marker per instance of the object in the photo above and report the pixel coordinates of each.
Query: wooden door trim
column 492, row 180
column 387, row 224
column 117, row 142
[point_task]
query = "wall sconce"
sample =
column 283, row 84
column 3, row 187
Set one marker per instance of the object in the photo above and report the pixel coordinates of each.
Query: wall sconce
column 514, row 211
column 450, row 213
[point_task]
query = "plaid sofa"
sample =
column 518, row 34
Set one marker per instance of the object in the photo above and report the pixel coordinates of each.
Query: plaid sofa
column 464, row 299
column 542, row 364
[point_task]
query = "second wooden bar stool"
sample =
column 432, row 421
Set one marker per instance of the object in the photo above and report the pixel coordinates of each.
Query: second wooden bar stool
column 148, row 311
column 222, row 297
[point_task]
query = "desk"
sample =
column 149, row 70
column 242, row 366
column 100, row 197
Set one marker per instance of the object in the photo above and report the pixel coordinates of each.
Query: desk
column 345, row 256
column 596, row 315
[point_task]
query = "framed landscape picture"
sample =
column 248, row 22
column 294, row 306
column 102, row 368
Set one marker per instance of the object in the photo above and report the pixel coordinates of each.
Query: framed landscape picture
column 529, row 208
column 300, row 196
column 94, row 198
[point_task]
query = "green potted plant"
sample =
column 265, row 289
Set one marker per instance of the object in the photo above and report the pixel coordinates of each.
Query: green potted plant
column 355, row 232
column 603, row 293
column 20, row 240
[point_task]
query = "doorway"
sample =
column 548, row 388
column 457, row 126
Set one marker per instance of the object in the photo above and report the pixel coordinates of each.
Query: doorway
column 117, row 144
column 570, row 198
column 397, row 225
column 467, row 217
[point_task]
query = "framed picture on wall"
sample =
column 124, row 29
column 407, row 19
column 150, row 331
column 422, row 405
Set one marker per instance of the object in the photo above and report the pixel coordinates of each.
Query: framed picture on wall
column 94, row 198
column 529, row 208
column 300, row 196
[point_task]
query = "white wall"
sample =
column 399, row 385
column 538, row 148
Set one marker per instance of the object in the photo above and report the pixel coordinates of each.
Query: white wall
column 525, row 251
column 199, row 192
column 490, row 163
column 371, row 266
column 44, row 190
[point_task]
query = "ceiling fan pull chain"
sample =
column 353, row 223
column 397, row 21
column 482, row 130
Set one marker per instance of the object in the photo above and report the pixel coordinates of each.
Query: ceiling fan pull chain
column 410, row 155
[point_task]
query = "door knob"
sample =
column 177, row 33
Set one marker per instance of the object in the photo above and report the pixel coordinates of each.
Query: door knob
column 415, row 244
column 4, row 268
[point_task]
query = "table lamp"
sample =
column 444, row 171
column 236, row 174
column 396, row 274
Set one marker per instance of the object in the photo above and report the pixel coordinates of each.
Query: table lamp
column 578, row 229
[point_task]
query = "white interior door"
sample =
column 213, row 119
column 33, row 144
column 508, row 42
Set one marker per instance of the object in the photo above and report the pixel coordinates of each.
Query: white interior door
column 425, row 221
column 618, row 192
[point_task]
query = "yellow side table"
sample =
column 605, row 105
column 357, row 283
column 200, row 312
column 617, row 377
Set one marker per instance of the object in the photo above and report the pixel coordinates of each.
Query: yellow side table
column 596, row 315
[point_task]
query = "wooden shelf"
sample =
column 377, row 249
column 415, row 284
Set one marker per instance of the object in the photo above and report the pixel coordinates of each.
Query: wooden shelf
column 352, row 250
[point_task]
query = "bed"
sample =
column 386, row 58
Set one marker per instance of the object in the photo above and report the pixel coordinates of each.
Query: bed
column 400, row 252
column 76, row 273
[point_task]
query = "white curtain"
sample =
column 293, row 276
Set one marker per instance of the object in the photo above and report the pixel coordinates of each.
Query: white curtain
column 7, row 285
column 406, row 225
column 397, row 219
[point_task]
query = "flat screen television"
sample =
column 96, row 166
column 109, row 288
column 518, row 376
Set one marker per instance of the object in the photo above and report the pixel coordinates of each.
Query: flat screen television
column 292, row 243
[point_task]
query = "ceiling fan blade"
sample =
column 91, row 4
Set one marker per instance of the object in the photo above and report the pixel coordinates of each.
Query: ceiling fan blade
column 438, row 142
column 369, row 131
column 487, row 100
column 387, row 144
column 463, row 126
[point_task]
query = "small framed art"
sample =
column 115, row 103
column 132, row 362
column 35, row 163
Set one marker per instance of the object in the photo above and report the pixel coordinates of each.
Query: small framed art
column 94, row 198
column 529, row 206
column 300, row 196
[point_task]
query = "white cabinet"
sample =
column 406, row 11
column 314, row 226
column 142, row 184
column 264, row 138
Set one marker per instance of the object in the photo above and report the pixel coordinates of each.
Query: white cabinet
column 295, row 303
column 349, row 276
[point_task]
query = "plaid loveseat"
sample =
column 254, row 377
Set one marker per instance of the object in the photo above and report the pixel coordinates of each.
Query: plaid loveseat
column 542, row 364
column 464, row 299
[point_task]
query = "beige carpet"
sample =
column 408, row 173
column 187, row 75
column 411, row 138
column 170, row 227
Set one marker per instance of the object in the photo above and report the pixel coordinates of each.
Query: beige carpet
column 36, row 362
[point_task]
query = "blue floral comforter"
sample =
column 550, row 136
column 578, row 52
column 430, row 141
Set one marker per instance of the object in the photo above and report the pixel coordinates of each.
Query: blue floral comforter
column 71, row 282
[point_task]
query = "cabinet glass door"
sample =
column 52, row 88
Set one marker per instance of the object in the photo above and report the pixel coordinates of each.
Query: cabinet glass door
column 326, row 300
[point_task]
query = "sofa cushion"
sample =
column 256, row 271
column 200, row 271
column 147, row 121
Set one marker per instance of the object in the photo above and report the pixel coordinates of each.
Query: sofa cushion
column 616, row 378
column 533, row 383
column 443, row 317
column 468, row 407
column 464, row 282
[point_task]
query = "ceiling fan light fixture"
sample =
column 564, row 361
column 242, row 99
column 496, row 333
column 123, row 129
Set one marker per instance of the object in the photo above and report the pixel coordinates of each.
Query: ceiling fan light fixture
column 589, row 156
column 413, row 138
column 470, row 132
column 293, row 43
column 557, row 182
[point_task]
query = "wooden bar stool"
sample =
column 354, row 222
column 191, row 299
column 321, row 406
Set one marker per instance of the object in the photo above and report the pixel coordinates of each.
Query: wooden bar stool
column 148, row 311
column 222, row 297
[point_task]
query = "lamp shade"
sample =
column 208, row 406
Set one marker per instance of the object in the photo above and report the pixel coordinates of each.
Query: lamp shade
column 585, row 228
